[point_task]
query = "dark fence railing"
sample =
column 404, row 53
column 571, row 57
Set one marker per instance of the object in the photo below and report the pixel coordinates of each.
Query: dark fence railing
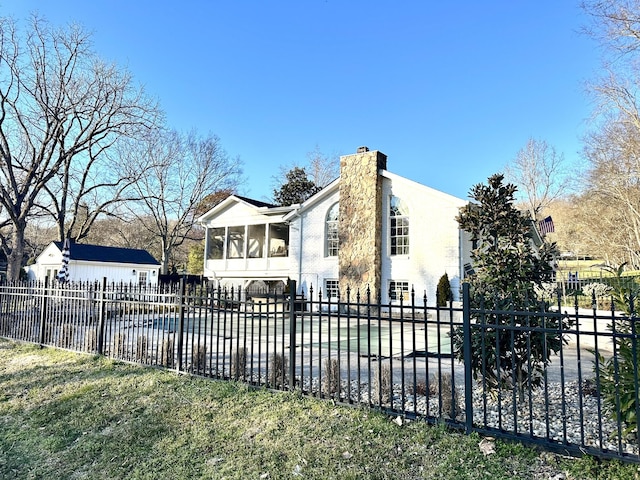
column 459, row 365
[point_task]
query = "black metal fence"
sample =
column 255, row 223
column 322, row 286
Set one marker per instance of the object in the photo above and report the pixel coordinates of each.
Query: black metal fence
column 473, row 369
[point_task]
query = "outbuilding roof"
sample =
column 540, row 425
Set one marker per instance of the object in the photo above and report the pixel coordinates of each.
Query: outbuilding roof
column 101, row 253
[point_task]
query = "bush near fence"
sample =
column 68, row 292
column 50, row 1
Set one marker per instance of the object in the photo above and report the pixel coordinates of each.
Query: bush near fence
column 395, row 357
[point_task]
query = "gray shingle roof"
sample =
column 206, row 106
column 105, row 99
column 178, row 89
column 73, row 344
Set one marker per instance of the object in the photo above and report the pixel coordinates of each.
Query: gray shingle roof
column 255, row 203
column 100, row 253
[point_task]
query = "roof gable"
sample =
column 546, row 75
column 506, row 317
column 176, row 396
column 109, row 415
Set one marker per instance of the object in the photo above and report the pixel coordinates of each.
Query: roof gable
column 251, row 207
column 101, row 253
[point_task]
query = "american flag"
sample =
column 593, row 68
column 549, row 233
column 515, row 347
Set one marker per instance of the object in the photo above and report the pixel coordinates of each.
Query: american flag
column 63, row 274
column 546, row 226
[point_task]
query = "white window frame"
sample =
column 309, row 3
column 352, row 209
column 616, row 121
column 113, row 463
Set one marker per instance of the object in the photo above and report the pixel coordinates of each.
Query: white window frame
column 331, row 231
column 399, row 289
column 398, row 227
column 331, row 288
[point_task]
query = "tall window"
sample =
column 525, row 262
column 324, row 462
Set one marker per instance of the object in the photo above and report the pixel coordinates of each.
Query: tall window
column 278, row 240
column 256, row 241
column 235, row 242
column 215, row 243
column 399, row 222
column 398, row 290
column 332, row 230
column 143, row 278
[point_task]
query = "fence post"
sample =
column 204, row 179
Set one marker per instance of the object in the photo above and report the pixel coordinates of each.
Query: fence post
column 43, row 311
column 102, row 313
column 181, row 323
column 468, row 379
column 292, row 334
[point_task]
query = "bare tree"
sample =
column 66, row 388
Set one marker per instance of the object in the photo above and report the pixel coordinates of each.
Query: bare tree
column 539, row 173
column 323, row 169
column 613, row 191
column 616, row 27
column 93, row 187
column 184, row 170
column 59, row 106
column 318, row 172
column 610, row 203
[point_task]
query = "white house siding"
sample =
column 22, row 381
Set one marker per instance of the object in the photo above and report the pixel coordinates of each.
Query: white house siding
column 114, row 273
column 310, row 265
column 436, row 243
column 434, row 239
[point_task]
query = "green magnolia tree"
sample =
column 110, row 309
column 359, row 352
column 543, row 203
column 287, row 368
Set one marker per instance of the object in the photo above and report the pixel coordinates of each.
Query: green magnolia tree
column 508, row 267
column 296, row 188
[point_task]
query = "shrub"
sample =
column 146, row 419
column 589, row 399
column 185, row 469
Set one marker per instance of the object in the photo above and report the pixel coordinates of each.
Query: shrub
column 443, row 292
column 119, row 345
column 278, row 374
column 617, row 373
column 141, row 348
column 382, row 385
column 239, row 363
column 442, row 387
column 166, row 355
column 199, row 359
column 67, row 335
column 331, row 379
column 90, row 340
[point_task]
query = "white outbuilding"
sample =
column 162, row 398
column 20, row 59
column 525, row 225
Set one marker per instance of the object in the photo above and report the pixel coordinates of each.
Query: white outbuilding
column 95, row 262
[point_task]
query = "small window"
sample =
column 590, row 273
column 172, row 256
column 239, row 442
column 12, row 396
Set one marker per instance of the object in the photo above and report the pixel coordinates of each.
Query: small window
column 143, row 277
column 398, row 290
column 332, row 230
column 399, row 227
column 331, row 288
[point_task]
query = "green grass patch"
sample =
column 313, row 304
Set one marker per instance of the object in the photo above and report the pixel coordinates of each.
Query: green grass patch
column 70, row 416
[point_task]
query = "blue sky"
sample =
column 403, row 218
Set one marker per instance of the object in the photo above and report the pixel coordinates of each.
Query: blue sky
column 450, row 91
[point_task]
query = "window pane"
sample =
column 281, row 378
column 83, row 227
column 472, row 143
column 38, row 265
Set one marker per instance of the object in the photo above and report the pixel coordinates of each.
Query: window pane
column 398, row 290
column 278, row 240
column 398, row 227
column 256, row 241
column 331, row 288
column 235, row 242
column 332, row 231
column 215, row 243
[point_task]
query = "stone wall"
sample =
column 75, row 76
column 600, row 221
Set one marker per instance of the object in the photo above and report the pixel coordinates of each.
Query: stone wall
column 360, row 224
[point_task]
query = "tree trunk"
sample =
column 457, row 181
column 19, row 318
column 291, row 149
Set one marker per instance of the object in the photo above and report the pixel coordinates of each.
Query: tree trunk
column 14, row 258
column 166, row 254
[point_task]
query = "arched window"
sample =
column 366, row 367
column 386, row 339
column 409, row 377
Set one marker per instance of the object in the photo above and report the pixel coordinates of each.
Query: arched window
column 332, row 230
column 399, row 226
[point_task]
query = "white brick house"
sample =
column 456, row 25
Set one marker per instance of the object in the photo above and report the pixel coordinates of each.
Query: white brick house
column 369, row 229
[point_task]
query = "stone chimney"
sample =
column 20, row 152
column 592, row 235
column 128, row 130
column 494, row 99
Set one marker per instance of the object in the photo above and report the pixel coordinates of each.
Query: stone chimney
column 360, row 224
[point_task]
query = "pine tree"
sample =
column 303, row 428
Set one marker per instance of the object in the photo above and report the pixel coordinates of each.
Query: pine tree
column 443, row 291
